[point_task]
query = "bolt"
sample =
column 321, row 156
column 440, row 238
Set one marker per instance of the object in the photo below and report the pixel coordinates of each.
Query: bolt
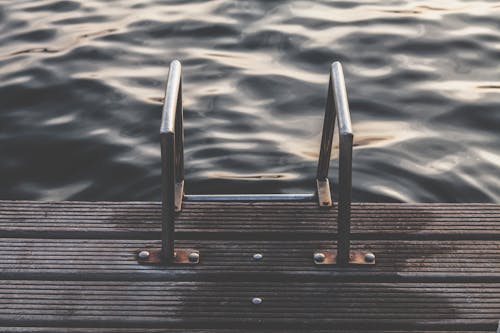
column 256, row 300
column 143, row 255
column 369, row 257
column 194, row 257
column 319, row 257
column 258, row 257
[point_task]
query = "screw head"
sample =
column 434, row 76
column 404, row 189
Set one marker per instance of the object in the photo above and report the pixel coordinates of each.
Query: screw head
column 369, row 257
column 319, row 257
column 143, row 255
column 256, row 300
column 258, row 257
column 194, row 257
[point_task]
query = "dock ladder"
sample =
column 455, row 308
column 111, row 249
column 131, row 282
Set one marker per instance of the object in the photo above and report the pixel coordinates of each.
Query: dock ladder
column 172, row 183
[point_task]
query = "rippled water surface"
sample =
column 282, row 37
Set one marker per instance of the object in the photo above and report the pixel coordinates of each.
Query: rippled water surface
column 81, row 88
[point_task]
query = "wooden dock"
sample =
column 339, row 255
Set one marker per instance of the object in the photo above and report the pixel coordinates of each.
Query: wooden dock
column 74, row 265
column 249, row 263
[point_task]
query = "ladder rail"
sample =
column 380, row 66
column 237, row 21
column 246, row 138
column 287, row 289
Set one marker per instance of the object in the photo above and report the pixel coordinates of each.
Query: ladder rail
column 172, row 158
column 172, row 137
column 337, row 107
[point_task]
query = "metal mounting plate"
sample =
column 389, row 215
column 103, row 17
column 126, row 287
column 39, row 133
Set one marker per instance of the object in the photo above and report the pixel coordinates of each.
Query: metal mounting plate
column 181, row 256
column 355, row 257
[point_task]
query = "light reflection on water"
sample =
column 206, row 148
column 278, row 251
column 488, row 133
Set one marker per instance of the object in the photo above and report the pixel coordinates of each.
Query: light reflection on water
column 81, row 86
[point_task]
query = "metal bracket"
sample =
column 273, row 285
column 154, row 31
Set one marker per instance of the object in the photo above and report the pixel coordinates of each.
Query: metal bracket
column 323, row 190
column 329, row 257
column 155, row 257
column 179, row 194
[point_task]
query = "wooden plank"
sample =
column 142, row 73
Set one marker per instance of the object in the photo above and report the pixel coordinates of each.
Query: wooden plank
column 116, row 259
column 48, row 248
column 226, row 304
column 236, row 219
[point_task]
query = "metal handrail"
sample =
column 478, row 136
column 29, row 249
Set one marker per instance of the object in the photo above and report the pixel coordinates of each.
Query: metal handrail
column 337, row 106
column 172, row 137
column 172, row 158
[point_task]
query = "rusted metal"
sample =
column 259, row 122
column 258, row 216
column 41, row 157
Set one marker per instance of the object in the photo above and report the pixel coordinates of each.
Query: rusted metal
column 323, row 190
column 329, row 257
column 181, row 256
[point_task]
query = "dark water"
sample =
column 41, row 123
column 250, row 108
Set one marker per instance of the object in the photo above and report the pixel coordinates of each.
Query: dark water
column 81, row 88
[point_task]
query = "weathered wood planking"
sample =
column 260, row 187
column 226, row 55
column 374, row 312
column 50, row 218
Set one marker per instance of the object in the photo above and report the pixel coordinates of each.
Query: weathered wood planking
column 72, row 264
column 219, row 303
column 217, row 219
column 116, row 259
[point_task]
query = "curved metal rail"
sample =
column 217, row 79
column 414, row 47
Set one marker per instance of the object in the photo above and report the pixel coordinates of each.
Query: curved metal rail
column 172, row 159
column 172, row 137
column 337, row 106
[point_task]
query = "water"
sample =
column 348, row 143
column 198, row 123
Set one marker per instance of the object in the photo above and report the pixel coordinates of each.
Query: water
column 81, row 88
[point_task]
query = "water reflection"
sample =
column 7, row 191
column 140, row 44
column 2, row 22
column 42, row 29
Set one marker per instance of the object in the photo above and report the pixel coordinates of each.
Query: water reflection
column 82, row 86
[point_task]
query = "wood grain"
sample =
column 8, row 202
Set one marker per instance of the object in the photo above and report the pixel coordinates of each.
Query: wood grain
column 71, row 267
column 239, row 219
column 229, row 303
column 116, row 259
